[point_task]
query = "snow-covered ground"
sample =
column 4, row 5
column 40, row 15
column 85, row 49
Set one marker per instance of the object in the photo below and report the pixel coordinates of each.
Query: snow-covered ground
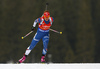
column 50, row 66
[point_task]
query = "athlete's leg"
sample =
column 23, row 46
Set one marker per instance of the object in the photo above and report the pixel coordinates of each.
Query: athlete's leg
column 33, row 44
column 45, row 47
column 35, row 40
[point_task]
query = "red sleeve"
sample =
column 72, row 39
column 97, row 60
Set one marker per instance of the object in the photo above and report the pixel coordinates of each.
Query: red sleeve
column 52, row 19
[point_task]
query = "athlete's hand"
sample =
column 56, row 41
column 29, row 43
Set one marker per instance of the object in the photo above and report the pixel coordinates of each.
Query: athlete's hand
column 33, row 28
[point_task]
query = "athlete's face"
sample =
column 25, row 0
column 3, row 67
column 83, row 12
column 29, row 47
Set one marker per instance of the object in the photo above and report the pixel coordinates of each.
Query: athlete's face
column 46, row 18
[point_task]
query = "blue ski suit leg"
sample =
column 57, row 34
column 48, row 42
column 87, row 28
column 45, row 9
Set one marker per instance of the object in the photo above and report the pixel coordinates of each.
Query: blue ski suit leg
column 35, row 40
column 40, row 35
column 45, row 40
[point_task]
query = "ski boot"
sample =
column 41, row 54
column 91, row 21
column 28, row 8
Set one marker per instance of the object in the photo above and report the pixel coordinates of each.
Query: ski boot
column 43, row 59
column 22, row 59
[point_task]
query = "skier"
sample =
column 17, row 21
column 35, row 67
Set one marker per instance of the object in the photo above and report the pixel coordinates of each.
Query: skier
column 45, row 23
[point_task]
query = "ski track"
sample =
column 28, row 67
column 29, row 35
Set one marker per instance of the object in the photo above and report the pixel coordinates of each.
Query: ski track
column 51, row 66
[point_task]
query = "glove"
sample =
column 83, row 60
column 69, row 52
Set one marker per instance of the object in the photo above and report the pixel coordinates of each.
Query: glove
column 33, row 28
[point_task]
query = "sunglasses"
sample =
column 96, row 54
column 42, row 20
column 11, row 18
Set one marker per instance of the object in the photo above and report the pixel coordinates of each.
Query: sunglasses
column 46, row 16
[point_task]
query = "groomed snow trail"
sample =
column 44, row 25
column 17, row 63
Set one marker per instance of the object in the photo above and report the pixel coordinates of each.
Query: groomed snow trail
column 50, row 66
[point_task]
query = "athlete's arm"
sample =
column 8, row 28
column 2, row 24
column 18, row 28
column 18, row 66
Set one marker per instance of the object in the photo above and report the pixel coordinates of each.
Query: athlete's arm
column 52, row 19
column 36, row 21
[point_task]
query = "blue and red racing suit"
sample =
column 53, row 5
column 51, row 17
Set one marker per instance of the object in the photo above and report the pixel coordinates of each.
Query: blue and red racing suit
column 42, row 33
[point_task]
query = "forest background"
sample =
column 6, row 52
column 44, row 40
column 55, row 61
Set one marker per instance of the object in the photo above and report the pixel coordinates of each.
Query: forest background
column 79, row 21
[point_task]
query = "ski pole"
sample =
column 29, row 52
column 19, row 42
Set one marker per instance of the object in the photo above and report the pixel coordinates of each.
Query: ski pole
column 27, row 34
column 56, row 31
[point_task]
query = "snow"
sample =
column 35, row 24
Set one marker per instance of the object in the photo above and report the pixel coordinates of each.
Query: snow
column 51, row 66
